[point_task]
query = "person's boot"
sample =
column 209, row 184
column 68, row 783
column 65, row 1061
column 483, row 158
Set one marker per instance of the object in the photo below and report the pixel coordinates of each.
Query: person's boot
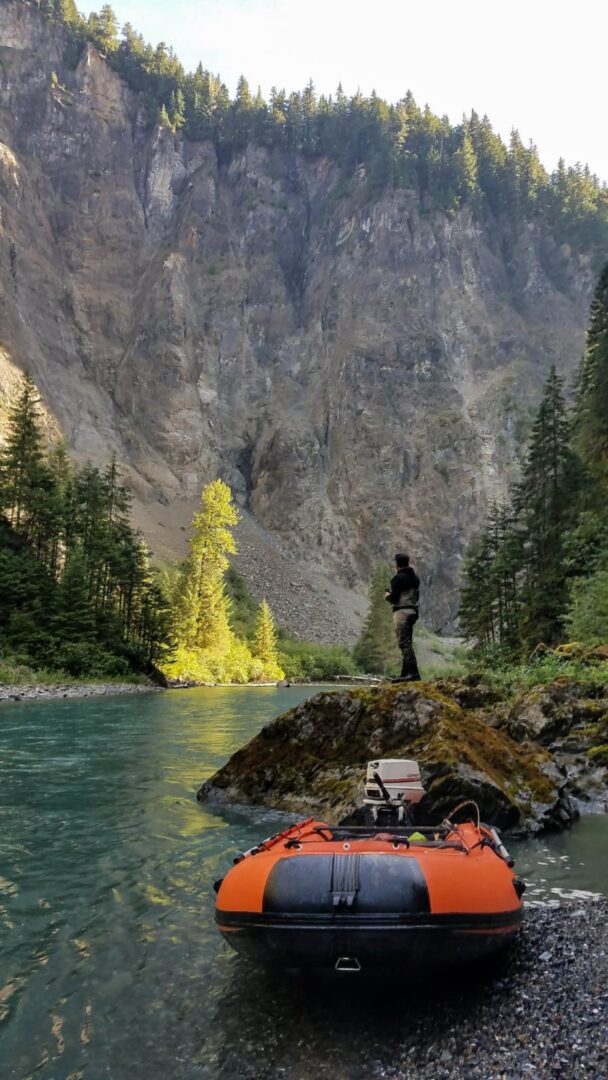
column 408, row 674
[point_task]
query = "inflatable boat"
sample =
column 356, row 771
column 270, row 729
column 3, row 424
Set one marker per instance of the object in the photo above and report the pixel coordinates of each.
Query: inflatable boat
column 382, row 895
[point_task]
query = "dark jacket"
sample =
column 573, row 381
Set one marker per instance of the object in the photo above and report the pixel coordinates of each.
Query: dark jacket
column 404, row 590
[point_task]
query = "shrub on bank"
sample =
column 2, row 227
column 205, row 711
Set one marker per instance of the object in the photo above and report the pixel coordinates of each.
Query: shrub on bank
column 508, row 679
column 305, row 660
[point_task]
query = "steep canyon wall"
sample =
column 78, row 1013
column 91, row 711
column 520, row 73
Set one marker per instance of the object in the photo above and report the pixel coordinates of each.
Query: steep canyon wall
column 359, row 370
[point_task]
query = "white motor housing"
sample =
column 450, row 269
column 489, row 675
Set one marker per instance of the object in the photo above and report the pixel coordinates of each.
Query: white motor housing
column 399, row 778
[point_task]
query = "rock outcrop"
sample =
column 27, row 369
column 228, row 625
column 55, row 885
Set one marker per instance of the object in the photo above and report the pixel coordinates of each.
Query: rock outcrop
column 312, row 760
column 569, row 719
column 357, row 368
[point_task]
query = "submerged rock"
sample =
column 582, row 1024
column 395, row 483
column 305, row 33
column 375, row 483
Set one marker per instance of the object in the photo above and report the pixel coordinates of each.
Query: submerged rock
column 312, row 760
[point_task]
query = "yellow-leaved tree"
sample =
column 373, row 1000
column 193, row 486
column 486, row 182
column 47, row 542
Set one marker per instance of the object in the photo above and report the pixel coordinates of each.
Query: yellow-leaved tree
column 207, row 650
column 265, row 645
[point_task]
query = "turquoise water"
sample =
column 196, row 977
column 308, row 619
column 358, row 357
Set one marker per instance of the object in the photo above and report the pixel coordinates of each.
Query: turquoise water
column 110, row 966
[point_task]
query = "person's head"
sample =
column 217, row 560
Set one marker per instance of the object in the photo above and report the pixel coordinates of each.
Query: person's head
column 401, row 561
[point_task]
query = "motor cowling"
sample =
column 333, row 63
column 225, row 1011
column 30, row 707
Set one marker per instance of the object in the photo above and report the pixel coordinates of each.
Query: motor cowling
column 392, row 785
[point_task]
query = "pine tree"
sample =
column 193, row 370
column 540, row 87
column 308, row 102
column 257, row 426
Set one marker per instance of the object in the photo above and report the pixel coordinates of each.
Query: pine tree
column 67, row 12
column 163, row 117
column 103, row 28
column 177, row 109
column 591, row 410
column 547, row 503
column 465, row 164
column 376, row 651
column 477, row 596
column 202, row 607
column 74, row 621
column 265, row 644
column 22, row 457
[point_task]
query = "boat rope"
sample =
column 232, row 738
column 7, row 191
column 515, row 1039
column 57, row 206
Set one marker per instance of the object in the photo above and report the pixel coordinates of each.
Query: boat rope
column 447, row 821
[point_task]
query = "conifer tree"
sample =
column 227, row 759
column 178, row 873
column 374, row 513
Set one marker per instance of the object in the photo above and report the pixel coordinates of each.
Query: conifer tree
column 376, row 651
column 265, row 643
column 67, row 12
column 465, row 164
column 202, row 615
column 74, row 621
column 103, row 28
column 547, row 503
column 490, row 599
column 591, row 436
column 177, row 111
column 478, row 593
column 163, row 117
column 22, row 457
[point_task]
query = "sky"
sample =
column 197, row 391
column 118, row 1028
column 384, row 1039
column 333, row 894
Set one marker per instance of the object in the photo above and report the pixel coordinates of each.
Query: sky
column 538, row 66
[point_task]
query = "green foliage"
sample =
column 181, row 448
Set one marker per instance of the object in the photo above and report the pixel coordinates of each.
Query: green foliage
column 547, row 504
column 587, row 615
column 508, row 678
column 76, row 590
column 308, row 661
column 201, row 603
column 538, row 569
column 255, row 651
column 74, row 617
column 592, row 397
column 207, row 649
column 516, row 571
column 265, row 645
column 376, row 651
column 243, row 608
column 394, row 145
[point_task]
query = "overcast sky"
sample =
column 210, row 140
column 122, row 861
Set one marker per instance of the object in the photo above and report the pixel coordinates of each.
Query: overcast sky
column 537, row 65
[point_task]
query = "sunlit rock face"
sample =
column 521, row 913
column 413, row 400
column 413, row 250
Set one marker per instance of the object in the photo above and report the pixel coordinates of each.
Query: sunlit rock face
column 361, row 372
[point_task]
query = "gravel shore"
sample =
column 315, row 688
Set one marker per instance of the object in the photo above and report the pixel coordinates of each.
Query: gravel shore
column 541, row 1013
column 72, row 690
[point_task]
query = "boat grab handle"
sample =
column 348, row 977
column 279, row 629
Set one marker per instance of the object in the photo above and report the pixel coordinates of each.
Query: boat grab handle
column 348, row 963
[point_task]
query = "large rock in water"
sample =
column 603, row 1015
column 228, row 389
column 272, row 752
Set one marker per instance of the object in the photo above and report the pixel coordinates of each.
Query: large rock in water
column 312, row 760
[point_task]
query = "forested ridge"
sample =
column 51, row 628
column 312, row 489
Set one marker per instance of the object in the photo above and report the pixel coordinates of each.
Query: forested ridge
column 399, row 145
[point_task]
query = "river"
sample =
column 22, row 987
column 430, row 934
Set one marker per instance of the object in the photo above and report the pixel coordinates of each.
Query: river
column 110, row 966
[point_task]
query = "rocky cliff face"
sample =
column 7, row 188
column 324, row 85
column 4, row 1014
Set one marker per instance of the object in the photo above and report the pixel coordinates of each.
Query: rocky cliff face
column 359, row 371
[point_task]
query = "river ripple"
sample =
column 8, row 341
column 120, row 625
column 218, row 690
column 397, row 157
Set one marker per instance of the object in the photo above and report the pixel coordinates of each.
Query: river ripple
column 110, row 966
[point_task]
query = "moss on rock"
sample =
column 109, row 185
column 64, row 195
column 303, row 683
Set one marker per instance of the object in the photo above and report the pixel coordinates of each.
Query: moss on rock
column 312, row 759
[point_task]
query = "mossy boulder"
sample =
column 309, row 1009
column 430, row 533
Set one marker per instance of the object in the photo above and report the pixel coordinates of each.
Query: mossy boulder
column 572, row 725
column 312, row 760
column 548, row 712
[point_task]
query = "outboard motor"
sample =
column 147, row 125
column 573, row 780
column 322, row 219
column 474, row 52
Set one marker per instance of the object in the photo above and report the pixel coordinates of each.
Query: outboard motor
column 392, row 785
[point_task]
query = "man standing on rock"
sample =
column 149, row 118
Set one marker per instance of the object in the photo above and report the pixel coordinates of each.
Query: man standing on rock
column 404, row 595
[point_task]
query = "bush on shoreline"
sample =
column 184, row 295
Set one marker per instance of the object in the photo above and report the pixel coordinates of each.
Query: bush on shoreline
column 511, row 679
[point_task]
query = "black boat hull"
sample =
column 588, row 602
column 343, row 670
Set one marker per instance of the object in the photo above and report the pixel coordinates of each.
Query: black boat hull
column 347, row 943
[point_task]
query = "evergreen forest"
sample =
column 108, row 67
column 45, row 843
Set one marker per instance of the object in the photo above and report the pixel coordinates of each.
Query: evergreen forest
column 386, row 145
column 81, row 598
column 77, row 591
column 537, row 573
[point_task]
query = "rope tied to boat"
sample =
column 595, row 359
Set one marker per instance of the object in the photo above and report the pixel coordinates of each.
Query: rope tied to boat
column 447, row 821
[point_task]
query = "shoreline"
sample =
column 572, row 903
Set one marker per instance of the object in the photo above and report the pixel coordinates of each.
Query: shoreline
column 16, row 692
column 538, row 1012
column 545, row 1014
column 54, row 691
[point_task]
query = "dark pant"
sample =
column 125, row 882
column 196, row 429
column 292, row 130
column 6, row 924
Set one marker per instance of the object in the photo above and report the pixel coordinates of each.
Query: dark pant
column 405, row 620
